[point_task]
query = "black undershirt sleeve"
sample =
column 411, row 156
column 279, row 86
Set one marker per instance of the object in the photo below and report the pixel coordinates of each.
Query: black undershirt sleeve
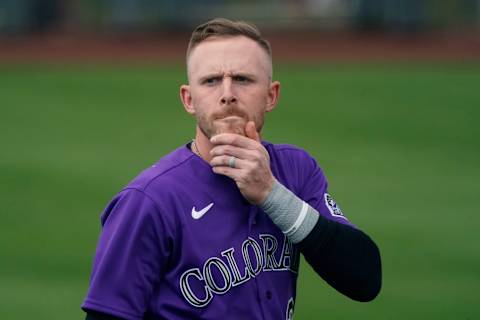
column 346, row 258
column 94, row 315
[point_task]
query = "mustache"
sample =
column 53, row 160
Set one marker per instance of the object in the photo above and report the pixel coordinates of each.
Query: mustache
column 229, row 111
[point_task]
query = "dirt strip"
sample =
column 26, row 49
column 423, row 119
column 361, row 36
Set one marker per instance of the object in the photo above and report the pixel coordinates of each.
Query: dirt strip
column 303, row 47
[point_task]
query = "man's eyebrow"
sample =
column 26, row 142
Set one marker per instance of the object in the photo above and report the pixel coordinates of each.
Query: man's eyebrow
column 232, row 74
column 210, row 76
column 243, row 74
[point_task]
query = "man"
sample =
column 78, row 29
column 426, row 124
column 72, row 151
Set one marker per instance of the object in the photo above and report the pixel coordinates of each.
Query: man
column 214, row 229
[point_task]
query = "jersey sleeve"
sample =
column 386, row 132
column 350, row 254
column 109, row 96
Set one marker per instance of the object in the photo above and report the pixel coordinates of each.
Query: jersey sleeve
column 314, row 190
column 131, row 254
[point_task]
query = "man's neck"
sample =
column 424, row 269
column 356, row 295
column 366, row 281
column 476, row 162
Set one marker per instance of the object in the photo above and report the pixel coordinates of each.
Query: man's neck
column 202, row 145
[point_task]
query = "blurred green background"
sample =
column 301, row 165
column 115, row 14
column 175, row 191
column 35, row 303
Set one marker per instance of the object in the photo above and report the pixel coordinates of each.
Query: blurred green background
column 399, row 144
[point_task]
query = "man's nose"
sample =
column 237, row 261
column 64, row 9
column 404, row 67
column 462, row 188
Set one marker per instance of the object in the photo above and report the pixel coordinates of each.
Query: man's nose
column 228, row 95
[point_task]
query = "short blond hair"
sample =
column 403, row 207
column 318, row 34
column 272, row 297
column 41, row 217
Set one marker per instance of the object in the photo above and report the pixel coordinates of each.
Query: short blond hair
column 220, row 27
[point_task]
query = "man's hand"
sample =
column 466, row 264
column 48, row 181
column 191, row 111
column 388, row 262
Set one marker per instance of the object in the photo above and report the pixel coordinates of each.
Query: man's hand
column 252, row 172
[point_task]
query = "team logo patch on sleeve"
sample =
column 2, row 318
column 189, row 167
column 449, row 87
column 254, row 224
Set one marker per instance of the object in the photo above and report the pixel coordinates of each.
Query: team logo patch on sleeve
column 333, row 206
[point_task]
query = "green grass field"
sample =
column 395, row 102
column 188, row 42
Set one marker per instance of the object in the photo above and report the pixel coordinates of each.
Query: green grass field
column 399, row 144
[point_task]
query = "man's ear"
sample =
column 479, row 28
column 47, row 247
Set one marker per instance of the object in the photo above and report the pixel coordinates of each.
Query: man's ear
column 186, row 98
column 273, row 95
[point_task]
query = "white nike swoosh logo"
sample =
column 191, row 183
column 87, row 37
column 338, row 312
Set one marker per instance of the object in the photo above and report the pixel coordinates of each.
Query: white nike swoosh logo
column 198, row 214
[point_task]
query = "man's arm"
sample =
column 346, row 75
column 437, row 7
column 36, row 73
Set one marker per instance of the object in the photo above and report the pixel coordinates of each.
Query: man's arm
column 130, row 255
column 346, row 258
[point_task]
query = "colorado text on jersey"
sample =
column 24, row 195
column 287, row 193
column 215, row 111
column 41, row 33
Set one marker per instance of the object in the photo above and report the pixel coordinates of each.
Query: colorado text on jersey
column 256, row 258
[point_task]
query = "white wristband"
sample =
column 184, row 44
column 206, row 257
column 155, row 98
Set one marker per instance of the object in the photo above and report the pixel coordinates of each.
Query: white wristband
column 292, row 215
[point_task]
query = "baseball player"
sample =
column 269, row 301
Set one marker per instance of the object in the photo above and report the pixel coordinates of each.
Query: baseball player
column 214, row 229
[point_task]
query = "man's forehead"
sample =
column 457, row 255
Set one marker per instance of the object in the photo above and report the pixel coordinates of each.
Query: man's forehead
column 229, row 54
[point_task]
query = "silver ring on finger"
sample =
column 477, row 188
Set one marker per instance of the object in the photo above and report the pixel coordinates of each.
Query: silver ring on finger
column 231, row 162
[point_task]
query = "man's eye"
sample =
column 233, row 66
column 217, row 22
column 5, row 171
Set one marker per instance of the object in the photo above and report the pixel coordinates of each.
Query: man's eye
column 211, row 81
column 241, row 79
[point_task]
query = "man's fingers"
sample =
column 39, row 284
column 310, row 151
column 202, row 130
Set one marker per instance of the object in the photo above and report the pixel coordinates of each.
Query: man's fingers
column 227, row 171
column 251, row 131
column 234, row 140
column 227, row 162
column 239, row 140
column 230, row 150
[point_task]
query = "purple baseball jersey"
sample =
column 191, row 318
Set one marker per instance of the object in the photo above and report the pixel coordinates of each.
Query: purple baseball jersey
column 180, row 242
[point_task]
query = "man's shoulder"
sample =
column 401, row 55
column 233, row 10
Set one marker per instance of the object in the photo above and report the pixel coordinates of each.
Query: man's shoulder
column 286, row 150
column 164, row 171
column 293, row 166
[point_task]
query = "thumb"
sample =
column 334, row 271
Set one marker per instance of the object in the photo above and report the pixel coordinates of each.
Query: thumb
column 251, row 131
